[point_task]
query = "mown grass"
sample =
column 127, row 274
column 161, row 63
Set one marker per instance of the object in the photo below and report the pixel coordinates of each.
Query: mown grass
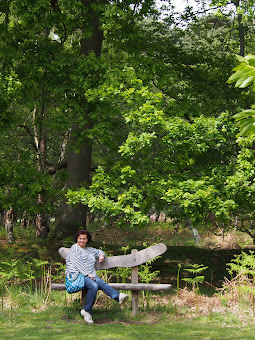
column 60, row 318
column 65, row 323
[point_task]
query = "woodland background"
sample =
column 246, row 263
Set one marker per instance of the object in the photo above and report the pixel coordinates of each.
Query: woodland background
column 136, row 120
column 115, row 110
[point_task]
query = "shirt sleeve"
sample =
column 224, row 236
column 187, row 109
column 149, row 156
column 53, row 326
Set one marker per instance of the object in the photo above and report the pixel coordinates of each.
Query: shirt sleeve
column 96, row 252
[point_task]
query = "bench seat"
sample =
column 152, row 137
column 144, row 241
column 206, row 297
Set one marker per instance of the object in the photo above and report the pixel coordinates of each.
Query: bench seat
column 124, row 286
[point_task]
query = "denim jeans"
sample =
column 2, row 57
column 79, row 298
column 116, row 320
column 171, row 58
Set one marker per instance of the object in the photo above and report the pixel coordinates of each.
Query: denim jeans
column 92, row 287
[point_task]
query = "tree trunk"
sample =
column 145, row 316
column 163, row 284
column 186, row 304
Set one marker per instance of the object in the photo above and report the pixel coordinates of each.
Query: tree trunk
column 70, row 218
column 42, row 220
column 241, row 35
column 8, row 224
column 42, row 225
column 23, row 222
column 240, row 29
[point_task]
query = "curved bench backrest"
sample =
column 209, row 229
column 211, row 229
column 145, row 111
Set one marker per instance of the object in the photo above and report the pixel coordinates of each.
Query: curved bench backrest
column 130, row 260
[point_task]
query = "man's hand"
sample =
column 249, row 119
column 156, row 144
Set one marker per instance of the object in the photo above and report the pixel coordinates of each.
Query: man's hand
column 101, row 258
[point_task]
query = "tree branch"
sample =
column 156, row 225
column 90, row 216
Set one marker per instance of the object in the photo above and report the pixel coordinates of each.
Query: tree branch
column 58, row 166
column 30, row 135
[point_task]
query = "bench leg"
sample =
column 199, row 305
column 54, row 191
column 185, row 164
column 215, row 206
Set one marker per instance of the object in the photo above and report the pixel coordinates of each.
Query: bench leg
column 134, row 279
column 134, row 302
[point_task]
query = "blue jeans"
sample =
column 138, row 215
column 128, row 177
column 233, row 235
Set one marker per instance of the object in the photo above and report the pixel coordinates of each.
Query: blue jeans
column 92, row 287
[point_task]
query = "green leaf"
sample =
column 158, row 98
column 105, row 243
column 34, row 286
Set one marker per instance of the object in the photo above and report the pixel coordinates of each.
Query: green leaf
column 250, row 58
column 247, row 82
column 239, row 74
column 241, row 59
column 244, row 114
column 248, row 129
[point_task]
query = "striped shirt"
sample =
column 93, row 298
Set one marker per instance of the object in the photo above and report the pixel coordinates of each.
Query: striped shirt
column 82, row 260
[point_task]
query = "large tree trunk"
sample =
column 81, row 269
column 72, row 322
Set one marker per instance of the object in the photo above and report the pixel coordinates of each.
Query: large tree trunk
column 78, row 164
column 70, row 218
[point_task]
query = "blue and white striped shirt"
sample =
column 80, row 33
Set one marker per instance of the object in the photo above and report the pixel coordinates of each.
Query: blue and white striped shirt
column 82, row 260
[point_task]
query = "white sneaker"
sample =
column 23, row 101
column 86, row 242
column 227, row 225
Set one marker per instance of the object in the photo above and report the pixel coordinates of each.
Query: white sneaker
column 87, row 316
column 123, row 298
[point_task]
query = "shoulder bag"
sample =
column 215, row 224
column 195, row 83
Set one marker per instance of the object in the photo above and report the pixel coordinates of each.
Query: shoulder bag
column 74, row 282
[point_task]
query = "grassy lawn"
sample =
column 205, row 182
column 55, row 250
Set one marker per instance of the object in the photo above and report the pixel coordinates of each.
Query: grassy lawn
column 66, row 323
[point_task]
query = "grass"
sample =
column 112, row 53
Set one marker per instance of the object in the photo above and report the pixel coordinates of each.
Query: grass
column 165, row 318
column 57, row 322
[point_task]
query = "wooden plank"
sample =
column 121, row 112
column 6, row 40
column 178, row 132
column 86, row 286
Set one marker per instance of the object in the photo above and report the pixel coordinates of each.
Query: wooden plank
column 140, row 286
column 130, row 260
column 57, row 286
column 125, row 286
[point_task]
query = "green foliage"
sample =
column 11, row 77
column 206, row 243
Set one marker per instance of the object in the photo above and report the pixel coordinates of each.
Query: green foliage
column 9, row 92
column 243, row 77
column 195, row 269
column 62, row 88
column 27, row 275
column 239, row 185
column 241, row 269
column 183, row 177
column 123, row 273
column 149, row 101
column 142, row 117
column 189, row 64
column 243, row 264
column 178, row 278
column 146, row 275
column 59, row 272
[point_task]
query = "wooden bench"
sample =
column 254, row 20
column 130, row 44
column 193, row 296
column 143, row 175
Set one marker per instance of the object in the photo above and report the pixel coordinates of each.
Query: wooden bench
column 132, row 260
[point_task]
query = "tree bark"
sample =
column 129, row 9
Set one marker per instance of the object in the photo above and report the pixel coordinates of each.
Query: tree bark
column 8, row 224
column 240, row 29
column 42, row 220
column 23, row 223
column 70, row 218
column 241, row 35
